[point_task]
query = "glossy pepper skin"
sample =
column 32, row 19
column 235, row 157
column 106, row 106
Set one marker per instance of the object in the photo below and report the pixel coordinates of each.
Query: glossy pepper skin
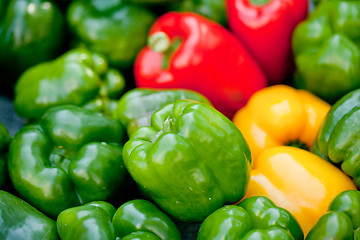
column 138, row 216
column 4, row 144
column 280, row 115
column 154, row 3
column 188, row 51
column 140, row 235
column 188, row 167
column 20, row 220
column 73, row 156
column 256, row 217
column 3, row 8
column 342, row 221
column 276, row 173
column 265, row 27
column 31, row 31
column 113, row 28
column 326, row 49
column 135, row 107
column 78, row 77
column 91, row 221
column 211, row 9
column 338, row 138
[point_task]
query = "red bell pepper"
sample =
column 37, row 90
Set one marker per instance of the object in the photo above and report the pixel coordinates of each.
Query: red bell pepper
column 186, row 50
column 265, row 28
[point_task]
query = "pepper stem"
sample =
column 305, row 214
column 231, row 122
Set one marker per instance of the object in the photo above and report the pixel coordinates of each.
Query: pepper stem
column 169, row 125
column 159, row 42
column 297, row 144
column 259, row 3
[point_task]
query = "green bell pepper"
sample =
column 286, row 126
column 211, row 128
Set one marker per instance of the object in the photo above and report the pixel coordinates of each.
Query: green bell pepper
column 73, row 156
column 20, row 220
column 212, row 9
column 140, row 235
column 3, row 7
column 326, row 49
column 155, row 5
column 342, row 221
column 91, row 221
column 111, row 27
column 78, row 77
column 338, row 138
column 141, row 215
column 255, row 217
column 31, row 31
column 190, row 161
column 99, row 220
column 134, row 109
column 317, row 2
column 4, row 143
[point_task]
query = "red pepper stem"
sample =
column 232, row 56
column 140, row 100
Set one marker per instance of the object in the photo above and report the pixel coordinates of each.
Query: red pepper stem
column 159, row 42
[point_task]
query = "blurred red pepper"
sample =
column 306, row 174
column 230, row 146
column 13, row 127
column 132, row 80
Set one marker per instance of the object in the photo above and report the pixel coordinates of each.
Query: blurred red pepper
column 186, row 50
column 265, row 28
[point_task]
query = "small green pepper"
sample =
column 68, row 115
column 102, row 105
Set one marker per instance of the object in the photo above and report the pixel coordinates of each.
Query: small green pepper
column 255, row 217
column 73, row 156
column 111, row 27
column 135, row 107
column 342, row 221
column 20, row 220
column 141, row 235
column 142, row 215
column 78, row 77
column 187, row 161
column 91, row 221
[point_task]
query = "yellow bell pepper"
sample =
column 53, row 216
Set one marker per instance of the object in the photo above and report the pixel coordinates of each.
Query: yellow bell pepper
column 299, row 181
column 280, row 115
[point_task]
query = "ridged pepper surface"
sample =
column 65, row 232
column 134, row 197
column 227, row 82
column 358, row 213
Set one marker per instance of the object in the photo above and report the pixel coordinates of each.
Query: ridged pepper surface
column 73, row 156
column 327, row 52
column 78, row 77
column 338, row 139
column 190, row 161
column 137, row 217
column 91, row 221
column 135, row 107
column 255, row 217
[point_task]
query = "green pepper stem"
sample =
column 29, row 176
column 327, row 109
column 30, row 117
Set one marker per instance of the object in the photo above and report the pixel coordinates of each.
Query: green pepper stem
column 298, row 144
column 169, row 125
column 259, row 3
column 159, row 42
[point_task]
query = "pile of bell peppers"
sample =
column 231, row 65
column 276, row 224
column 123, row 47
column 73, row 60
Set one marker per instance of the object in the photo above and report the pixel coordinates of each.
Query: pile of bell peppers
column 180, row 119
